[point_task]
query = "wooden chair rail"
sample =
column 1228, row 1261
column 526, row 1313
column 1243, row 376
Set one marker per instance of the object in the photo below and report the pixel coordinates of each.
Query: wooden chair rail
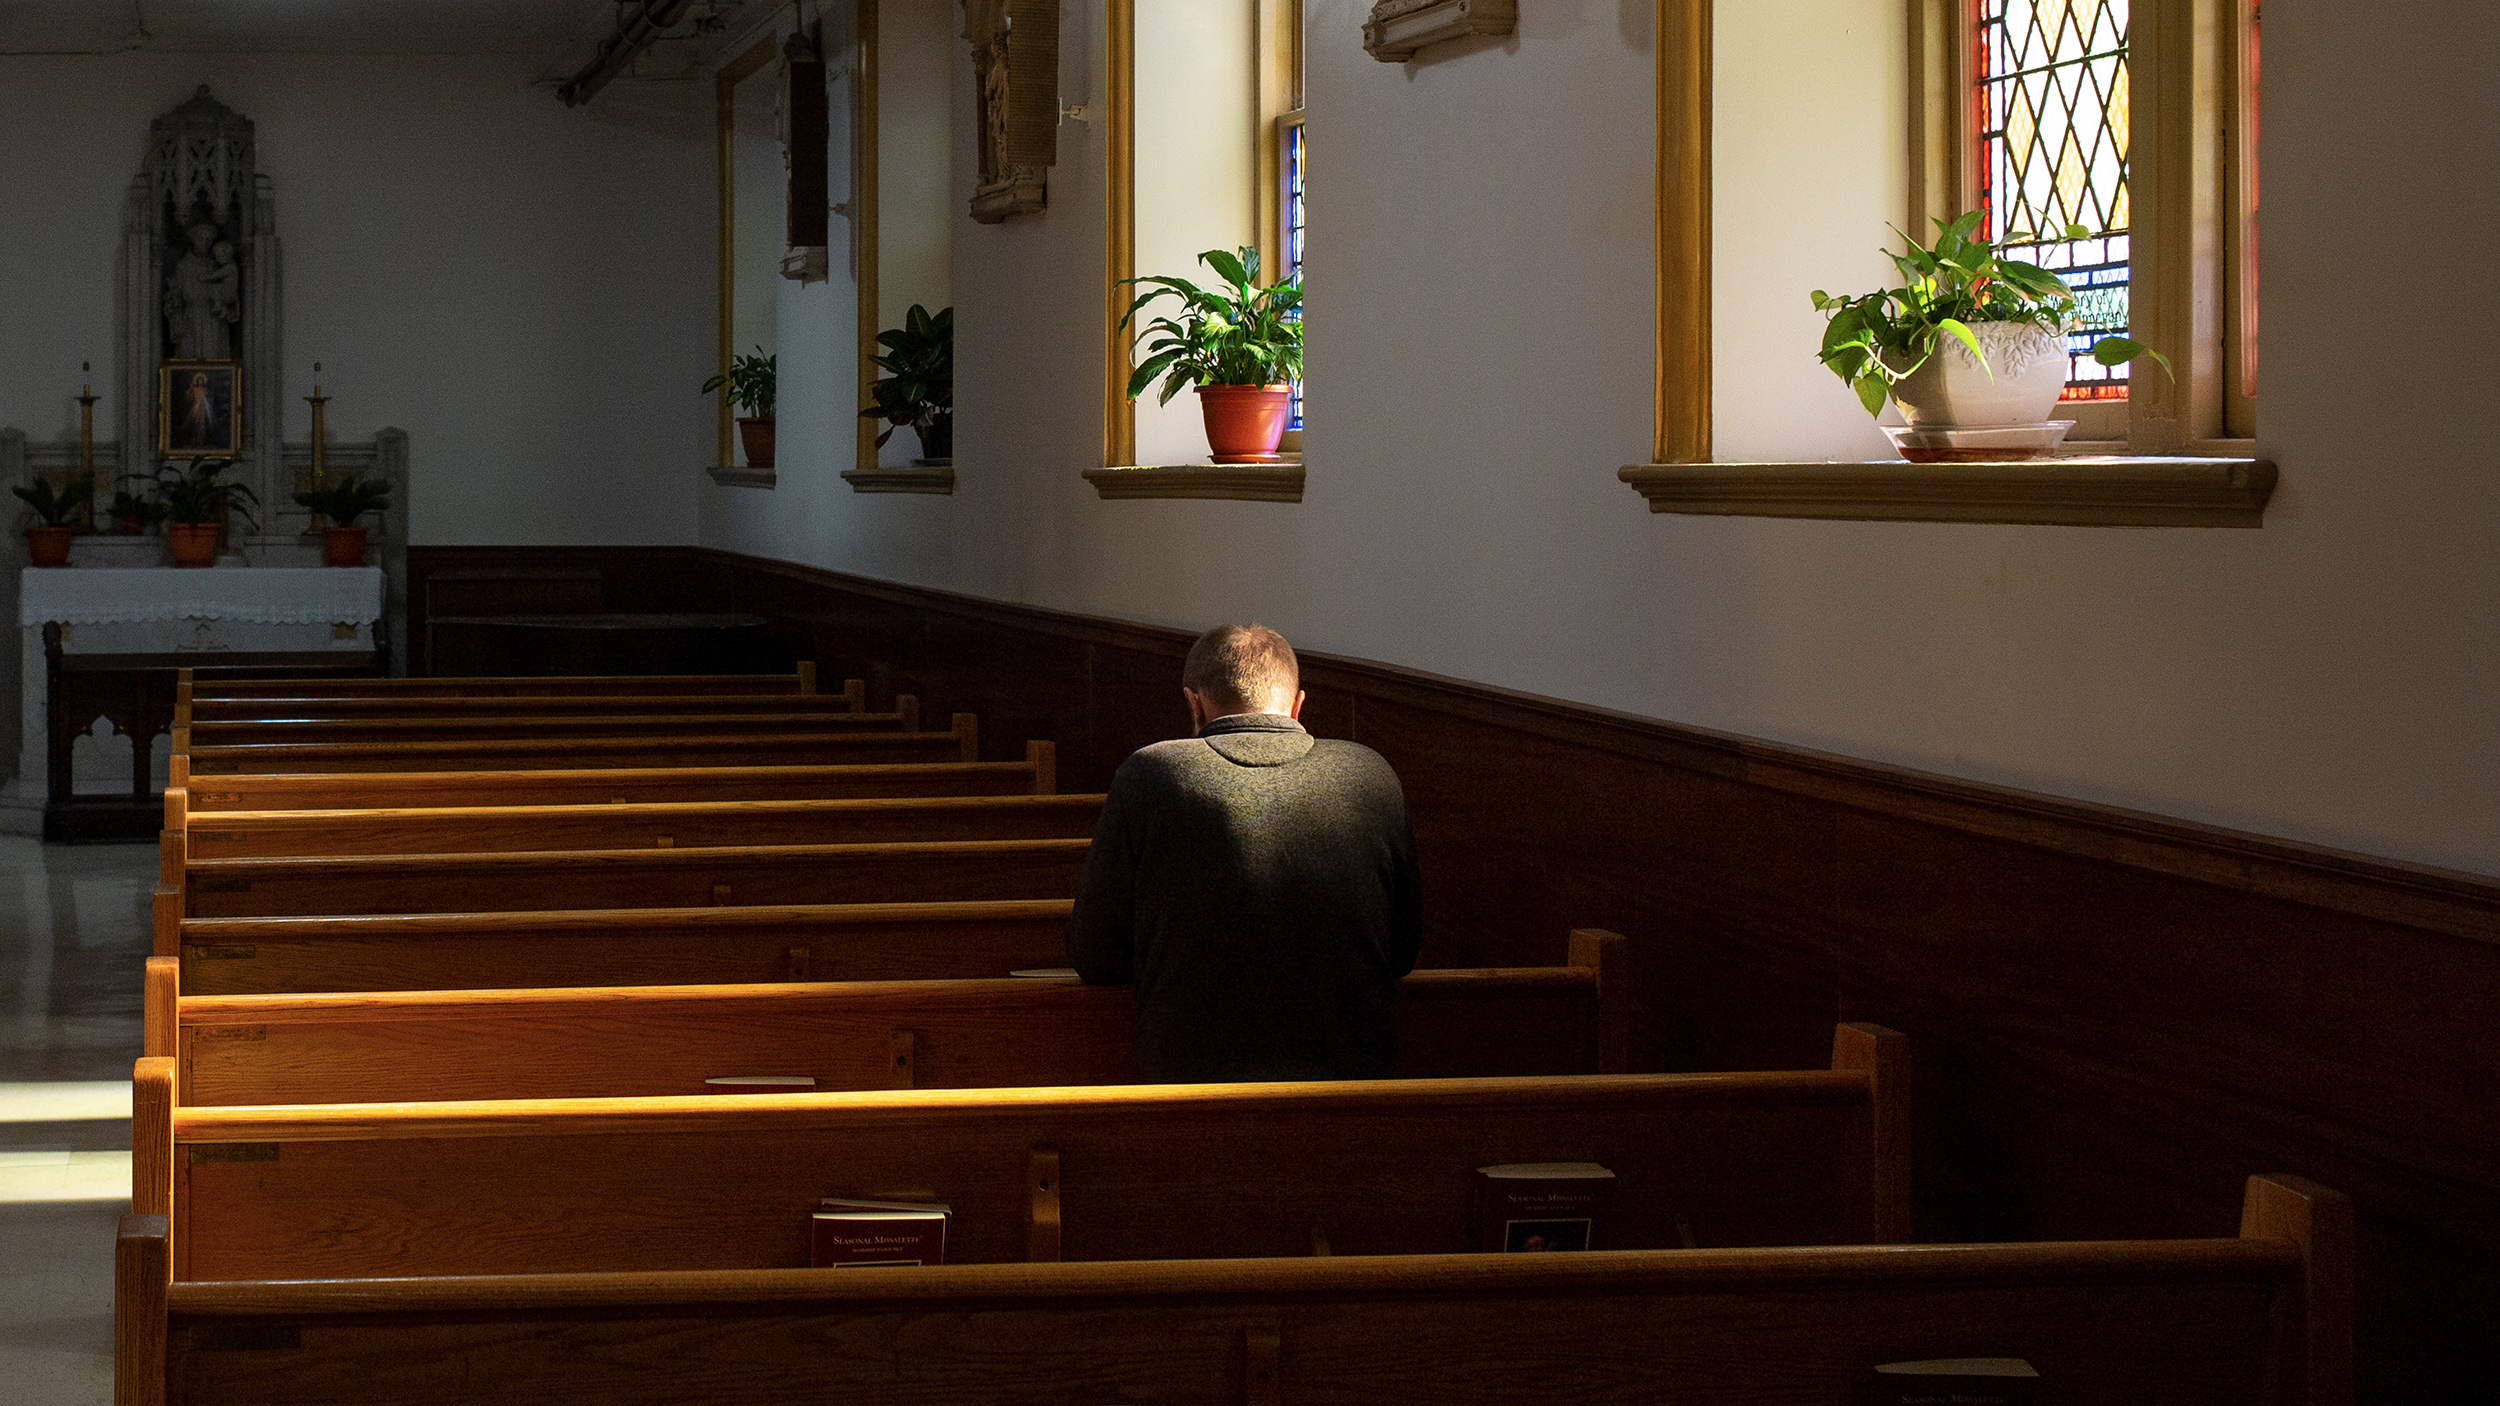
column 396, row 731
column 726, row 747
column 612, row 947
column 1037, row 774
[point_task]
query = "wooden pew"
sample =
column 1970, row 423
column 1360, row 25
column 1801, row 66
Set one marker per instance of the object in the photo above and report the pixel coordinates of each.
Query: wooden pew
column 2264, row 1319
column 801, row 680
column 607, row 1042
column 718, row 876
column 616, row 947
column 725, row 746
column 651, row 720
column 853, row 699
column 1036, row 775
column 681, row 825
column 1117, row 1173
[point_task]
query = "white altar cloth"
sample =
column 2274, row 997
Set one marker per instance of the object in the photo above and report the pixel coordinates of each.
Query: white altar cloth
column 266, row 595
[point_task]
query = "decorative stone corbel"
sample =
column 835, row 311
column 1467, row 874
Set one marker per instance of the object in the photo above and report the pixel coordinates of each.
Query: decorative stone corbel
column 1015, row 63
column 1400, row 29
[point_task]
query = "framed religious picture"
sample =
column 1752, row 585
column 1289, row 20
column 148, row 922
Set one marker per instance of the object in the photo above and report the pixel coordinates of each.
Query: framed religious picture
column 199, row 409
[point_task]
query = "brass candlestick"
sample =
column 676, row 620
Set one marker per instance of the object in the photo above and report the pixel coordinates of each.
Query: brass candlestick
column 86, row 436
column 320, row 432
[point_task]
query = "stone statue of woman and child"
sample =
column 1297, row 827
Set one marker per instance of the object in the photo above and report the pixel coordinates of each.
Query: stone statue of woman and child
column 203, row 297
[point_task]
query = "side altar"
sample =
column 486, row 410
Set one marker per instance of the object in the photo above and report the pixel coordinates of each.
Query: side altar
column 99, row 650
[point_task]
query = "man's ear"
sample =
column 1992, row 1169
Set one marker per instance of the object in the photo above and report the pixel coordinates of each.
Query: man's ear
column 1298, row 696
column 1197, row 708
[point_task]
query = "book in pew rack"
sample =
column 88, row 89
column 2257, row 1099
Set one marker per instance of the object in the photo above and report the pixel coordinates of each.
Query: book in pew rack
column 864, row 1234
column 1528, row 1207
column 1955, row 1381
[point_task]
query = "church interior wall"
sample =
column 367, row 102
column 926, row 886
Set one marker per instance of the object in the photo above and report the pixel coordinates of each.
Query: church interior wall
column 524, row 288
column 1480, row 288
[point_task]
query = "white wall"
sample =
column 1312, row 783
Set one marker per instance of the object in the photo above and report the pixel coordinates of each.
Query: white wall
column 525, row 289
column 1480, row 278
column 917, row 209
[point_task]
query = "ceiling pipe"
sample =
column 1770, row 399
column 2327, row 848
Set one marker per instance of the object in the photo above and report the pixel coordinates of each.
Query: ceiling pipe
column 617, row 51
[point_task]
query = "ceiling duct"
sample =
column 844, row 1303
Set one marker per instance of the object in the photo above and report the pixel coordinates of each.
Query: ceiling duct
column 617, row 51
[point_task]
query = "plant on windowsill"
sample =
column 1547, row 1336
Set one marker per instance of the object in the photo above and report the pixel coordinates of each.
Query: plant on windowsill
column 58, row 514
column 1971, row 347
column 1239, row 344
column 197, row 500
column 919, row 387
column 339, row 505
column 751, row 381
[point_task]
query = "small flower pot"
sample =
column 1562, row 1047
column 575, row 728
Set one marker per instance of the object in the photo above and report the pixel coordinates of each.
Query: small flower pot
column 343, row 546
column 756, row 435
column 1245, row 423
column 2026, row 371
column 49, row 546
column 130, row 526
column 193, row 543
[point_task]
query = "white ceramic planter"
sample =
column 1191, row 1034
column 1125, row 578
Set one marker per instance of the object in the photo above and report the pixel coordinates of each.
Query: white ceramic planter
column 1952, row 391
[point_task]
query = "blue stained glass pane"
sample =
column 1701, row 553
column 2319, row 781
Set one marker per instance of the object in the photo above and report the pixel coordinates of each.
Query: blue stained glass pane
column 1292, row 222
column 2052, row 112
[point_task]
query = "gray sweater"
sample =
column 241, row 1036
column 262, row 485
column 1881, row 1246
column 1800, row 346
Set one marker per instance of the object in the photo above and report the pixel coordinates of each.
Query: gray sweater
column 1259, row 888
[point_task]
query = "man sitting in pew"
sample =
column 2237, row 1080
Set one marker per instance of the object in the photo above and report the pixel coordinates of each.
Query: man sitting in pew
column 1257, row 884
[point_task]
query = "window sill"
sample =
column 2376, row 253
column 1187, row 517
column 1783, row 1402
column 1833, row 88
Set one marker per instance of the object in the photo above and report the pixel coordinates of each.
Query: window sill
column 939, row 479
column 744, row 476
column 2113, row 491
column 1247, row 483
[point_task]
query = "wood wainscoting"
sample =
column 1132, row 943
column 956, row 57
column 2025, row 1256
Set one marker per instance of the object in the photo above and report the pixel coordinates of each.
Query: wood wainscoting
column 2117, row 1017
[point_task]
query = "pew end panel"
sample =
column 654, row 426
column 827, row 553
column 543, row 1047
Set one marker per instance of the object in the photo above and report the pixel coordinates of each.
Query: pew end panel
column 163, row 1008
column 165, row 917
column 2318, row 1220
column 1043, row 757
column 142, row 1273
column 1883, row 1056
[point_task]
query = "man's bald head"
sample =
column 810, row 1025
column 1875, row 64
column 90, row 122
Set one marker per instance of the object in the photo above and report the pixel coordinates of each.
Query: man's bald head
column 1243, row 669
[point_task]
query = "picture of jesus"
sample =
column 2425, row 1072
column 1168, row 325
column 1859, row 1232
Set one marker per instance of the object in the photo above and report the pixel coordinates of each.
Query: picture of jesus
column 196, row 409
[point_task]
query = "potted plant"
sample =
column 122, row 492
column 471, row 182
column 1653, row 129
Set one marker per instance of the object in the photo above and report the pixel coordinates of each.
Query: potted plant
column 132, row 513
column 919, row 387
column 1971, row 341
column 58, row 513
column 196, row 501
column 342, row 542
column 1241, row 345
column 751, row 380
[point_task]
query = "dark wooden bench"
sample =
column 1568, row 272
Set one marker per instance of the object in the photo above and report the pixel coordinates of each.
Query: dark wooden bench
column 193, row 689
column 653, row 719
column 719, row 875
column 853, row 698
column 614, row 947
column 681, row 825
column 723, row 747
column 2263, row 1319
column 1036, row 775
column 598, row 1042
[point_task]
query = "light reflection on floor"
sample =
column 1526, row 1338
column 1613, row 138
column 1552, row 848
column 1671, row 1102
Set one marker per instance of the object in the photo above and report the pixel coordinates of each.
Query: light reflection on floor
column 73, row 941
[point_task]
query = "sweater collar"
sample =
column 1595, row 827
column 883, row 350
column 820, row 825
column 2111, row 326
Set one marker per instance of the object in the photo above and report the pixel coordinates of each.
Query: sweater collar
column 1250, row 722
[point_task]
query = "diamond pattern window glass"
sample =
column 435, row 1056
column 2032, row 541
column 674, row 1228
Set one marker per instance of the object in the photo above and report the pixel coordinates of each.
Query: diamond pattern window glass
column 2050, row 95
column 1289, row 161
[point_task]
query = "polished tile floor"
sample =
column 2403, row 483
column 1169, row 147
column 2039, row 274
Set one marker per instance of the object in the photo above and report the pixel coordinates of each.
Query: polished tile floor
column 73, row 941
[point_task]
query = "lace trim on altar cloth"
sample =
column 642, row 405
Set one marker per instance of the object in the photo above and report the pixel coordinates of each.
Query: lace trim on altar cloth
column 277, row 595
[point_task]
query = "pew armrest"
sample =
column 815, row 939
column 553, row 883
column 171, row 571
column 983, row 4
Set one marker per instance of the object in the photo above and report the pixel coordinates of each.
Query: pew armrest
column 1884, row 1057
column 142, row 1268
column 2318, row 1219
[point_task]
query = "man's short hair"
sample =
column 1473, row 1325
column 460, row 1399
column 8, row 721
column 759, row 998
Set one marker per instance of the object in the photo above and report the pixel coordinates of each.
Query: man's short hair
column 1241, row 666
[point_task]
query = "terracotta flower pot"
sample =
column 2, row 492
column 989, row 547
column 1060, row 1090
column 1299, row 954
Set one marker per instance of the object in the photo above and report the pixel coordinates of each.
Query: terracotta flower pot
column 193, row 543
column 756, row 434
column 1245, row 423
column 49, row 546
column 131, row 526
column 343, row 546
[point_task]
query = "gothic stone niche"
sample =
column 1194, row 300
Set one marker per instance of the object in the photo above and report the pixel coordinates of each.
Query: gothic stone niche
column 1015, row 57
column 1398, row 30
column 200, row 278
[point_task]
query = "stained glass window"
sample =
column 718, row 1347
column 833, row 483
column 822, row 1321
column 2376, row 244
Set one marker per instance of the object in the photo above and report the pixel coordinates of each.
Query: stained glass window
column 2051, row 96
column 1289, row 137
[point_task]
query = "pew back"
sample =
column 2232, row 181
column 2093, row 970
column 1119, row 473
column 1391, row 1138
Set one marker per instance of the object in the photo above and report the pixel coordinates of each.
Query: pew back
column 802, row 680
column 619, row 947
column 620, row 1042
column 724, row 746
column 646, row 721
column 853, row 699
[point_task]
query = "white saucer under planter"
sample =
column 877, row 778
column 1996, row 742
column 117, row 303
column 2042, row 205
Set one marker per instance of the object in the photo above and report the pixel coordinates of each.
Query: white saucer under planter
column 1951, row 390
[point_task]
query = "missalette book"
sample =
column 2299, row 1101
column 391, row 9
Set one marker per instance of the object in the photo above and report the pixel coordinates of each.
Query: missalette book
column 1955, row 1381
column 1533, row 1207
column 849, row 1234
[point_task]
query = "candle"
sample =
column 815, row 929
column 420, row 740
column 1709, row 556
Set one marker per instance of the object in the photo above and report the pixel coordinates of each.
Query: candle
column 319, row 404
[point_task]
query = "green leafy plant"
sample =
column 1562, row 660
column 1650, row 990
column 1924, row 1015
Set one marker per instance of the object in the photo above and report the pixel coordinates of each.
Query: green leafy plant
column 127, row 504
column 65, row 506
column 751, row 381
column 1237, row 334
column 348, row 499
column 919, row 360
column 1875, row 341
column 199, row 495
